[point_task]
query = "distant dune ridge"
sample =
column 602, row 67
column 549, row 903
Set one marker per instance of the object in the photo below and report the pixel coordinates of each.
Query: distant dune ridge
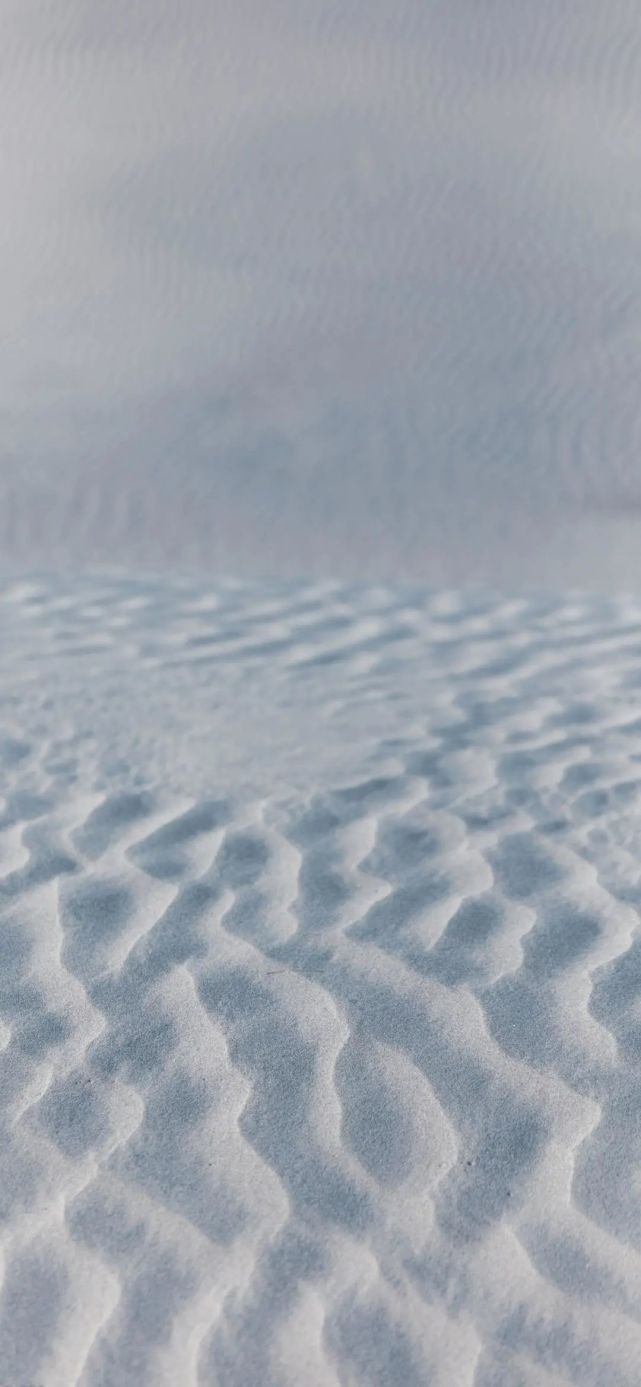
column 323, row 286
column 319, row 978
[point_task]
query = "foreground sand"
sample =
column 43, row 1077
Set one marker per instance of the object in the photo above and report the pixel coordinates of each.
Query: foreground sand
column 320, row 987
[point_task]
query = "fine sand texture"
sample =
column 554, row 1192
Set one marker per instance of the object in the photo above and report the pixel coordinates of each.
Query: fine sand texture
column 320, row 987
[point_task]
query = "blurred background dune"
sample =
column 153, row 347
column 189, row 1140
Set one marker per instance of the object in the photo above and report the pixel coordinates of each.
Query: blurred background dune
column 334, row 288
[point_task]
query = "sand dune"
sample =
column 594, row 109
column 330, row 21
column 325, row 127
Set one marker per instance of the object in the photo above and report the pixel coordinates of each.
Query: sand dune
column 319, row 986
column 346, row 286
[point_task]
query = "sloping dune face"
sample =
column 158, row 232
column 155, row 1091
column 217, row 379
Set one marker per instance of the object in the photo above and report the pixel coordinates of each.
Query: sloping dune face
column 310, row 286
column 319, row 987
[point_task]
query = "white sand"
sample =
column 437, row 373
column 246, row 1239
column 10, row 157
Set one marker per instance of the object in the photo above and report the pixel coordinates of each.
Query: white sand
column 320, row 987
column 323, row 286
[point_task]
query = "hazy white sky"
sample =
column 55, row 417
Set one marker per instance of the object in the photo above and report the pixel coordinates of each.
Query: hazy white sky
column 343, row 285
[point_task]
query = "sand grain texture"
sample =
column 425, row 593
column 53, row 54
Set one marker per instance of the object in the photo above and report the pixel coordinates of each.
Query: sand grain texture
column 319, row 987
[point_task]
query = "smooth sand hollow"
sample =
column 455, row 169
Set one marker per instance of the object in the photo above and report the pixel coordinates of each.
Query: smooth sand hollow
column 320, row 987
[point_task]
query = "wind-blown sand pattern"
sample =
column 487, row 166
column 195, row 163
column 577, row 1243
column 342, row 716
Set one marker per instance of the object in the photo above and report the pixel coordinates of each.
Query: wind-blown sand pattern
column 319, row 987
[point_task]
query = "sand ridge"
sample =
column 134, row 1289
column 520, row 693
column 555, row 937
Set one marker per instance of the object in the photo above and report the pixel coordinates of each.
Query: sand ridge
column 319, row 993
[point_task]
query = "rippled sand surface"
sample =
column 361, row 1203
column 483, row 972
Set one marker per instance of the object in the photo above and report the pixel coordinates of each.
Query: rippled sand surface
column 319, row 987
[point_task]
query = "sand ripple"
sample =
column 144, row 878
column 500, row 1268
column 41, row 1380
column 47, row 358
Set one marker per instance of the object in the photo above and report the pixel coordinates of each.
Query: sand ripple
column 319, row 986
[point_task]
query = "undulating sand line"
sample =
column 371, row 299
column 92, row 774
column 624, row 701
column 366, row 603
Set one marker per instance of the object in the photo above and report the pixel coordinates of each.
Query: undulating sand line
column 319, row 986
